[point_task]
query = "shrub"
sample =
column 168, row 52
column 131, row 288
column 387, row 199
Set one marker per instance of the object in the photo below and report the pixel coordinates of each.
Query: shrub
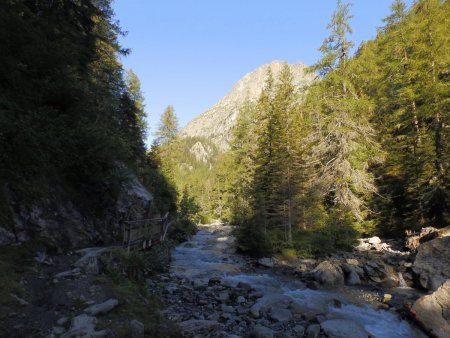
column 253, row 241
column 181, row 230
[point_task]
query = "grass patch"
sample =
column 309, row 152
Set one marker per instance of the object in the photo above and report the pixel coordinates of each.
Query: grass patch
column 124, row 275
column 135, row 303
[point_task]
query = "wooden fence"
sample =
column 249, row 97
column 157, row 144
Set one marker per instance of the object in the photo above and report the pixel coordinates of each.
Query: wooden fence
column 143, row 233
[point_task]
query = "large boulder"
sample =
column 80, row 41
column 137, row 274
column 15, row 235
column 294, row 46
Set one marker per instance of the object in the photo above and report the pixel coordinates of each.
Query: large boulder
column 432, row 263
column 433, row 311
column 268, row 301
column 414, row 240
column 329, row 274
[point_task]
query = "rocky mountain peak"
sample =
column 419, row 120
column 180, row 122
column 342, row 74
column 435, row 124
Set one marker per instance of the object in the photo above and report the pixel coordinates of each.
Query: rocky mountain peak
column 217, row 122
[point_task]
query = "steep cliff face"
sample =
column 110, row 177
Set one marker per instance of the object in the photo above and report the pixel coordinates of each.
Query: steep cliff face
column 216, row 123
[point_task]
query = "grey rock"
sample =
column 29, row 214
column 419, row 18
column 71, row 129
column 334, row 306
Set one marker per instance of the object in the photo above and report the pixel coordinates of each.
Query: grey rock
column 343, row 328
column 433, row 311
column 84, row 326
column 353, row 278
column 89, row 260
column 62, row 321
column 329, row 274
column 280, row 315
column 313, row 331
column 299, row 330
column 414, row 240
column 102, row 308
column 432, row 263
column 227, row 308
column 266, row 262
column 374, row 240
column 260, row 331
column 268, row 301
column 43, row 218
column 254, row 311
column 223, row 296
column 200, row 153
column 240, row 299
column 352, row 261
column 137, row 329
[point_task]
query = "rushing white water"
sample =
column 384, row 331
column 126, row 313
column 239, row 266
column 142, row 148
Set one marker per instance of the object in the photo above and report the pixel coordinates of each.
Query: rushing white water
column 210, row 254
column 402, row 283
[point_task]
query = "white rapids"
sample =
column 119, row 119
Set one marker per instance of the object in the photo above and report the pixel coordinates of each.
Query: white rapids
column 210, row 253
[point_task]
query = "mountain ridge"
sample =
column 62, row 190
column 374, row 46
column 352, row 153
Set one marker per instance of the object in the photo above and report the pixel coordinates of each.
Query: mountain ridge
column 217, row 122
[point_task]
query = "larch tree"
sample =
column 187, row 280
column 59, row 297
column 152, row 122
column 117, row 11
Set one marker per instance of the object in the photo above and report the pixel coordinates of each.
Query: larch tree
column 168, row 126
column 345, row 142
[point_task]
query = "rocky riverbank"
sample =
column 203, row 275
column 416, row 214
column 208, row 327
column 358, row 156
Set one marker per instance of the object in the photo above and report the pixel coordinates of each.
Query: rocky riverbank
column 93, row 292
column 210, row 291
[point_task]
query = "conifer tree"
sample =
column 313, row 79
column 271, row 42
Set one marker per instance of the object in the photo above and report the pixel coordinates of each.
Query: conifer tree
column 344, row 138
column 168, row 126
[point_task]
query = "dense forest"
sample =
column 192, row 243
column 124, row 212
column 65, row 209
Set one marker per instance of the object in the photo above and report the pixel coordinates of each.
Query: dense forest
column 70, row 115
column 365, row 151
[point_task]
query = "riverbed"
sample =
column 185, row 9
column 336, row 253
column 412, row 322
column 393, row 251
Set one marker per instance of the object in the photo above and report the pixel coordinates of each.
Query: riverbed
column 210, row 254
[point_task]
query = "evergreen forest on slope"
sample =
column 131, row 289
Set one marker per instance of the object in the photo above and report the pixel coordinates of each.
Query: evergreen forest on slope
column 364, row 151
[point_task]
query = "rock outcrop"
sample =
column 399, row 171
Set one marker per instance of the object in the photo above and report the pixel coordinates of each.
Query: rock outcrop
column 432, row 263
column 414, row 240
column 329, row 274
column 57, row 218
column 216, row 123
column 433, row 311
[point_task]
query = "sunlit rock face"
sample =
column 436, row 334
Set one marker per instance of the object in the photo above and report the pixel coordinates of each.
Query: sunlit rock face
column 217, row 122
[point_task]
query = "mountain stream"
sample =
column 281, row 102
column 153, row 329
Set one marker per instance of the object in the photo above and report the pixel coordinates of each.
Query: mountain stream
column 210, row 253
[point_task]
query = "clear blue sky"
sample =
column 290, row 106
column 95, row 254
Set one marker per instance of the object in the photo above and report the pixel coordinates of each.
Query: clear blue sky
column 189, row 53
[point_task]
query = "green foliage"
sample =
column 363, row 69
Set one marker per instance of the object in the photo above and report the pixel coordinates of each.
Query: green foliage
column 193, row 178
column 181, row 230
column 136, row 265
column 168, row 126
column 68, row 113
column 252, row 241
column 188, row 207
column 124, row 275
column 365, row 151
column 337, row 234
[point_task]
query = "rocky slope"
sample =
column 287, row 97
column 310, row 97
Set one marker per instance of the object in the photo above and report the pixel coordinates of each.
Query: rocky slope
column 217, row 122
column 58, row 219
